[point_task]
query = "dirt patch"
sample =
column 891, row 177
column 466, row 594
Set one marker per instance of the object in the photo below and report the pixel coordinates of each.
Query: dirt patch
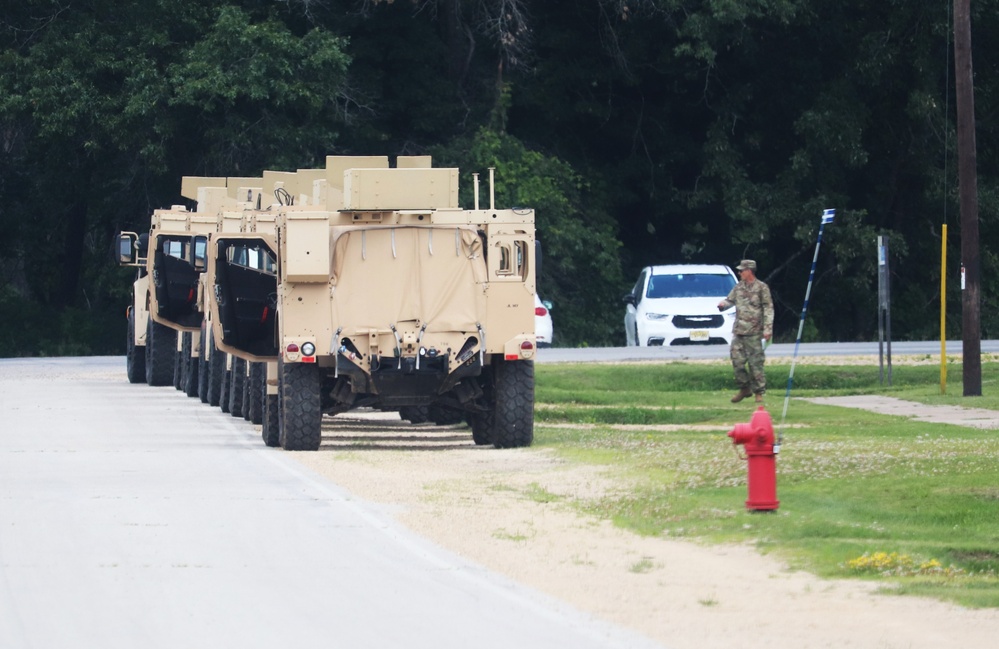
column 508, row 511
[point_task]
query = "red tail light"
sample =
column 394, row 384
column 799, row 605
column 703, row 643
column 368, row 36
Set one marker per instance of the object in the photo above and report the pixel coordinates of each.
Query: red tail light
column 540, row 311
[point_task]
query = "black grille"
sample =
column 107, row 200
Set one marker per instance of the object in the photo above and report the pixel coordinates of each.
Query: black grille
column 698, row 321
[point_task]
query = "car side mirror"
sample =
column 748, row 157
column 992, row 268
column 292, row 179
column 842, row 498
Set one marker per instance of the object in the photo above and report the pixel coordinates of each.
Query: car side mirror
column 128, row 252
column 628, row 298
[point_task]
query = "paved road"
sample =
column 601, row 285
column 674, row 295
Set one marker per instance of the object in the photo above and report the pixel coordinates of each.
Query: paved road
column 939, row 414
column 135, row 517
column 697, row 352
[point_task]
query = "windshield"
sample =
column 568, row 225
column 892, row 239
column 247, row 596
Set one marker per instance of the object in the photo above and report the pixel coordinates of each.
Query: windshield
column 689, row 285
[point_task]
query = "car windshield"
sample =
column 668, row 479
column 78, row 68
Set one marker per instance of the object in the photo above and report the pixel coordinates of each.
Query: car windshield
column 689, row 285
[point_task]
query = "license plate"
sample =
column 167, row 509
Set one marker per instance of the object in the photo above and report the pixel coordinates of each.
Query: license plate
column 699, row 336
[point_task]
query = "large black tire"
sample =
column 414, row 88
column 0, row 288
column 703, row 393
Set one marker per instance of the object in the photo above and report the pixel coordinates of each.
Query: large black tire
column 237, row 381
column 203, row 377
column 224, row 388
column 482, row 427
column 513, row 415
column 178, row 369
column 135, row 355
column 161, row 353
column 415, row 414
column 444, row 416
column 270, row 426
column 253, row 405
column 191, row 367
column 216, row 368
column 245, row 410
column 301, row 412
column 482, row 423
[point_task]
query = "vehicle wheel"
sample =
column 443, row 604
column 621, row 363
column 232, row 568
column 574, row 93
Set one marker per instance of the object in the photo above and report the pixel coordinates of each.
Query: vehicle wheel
column 237, row 379
column 161, row 352
column 514, row 397
column 443, row 416
column 301, row 414
column 271, row 410
column 253, row 403
column 482, row 427
column 191, row 369
column 216, row 368
column 203, row 370
column 224, row 388
column 482, row 423
column 415, row 414
column 135, row 356
column 178, row 369
column 245, row 410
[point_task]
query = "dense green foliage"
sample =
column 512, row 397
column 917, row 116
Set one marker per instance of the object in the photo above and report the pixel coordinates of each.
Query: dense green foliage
column 661, row 430
column 642, row 131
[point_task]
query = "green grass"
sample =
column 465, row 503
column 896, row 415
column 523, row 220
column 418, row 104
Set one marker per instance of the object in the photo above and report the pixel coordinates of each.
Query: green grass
column 913, row 505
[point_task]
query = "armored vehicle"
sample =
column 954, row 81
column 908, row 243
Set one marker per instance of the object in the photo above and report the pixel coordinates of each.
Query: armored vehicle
column 368, row 285
column 166, row 301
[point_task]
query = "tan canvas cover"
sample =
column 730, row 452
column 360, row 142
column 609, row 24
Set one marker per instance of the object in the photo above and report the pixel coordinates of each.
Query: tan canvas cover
column 433, row 275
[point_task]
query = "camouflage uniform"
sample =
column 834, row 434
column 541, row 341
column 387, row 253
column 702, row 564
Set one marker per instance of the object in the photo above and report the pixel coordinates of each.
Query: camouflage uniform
column 754, row 319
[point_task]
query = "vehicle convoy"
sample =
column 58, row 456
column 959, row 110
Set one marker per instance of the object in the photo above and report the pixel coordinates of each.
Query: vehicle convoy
column 359, row 285
column 677, row 304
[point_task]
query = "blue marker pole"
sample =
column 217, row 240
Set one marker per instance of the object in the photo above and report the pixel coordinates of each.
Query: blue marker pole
column 827, row 217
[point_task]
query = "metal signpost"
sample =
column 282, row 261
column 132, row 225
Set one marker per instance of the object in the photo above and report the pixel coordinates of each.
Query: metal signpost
column 884, row 309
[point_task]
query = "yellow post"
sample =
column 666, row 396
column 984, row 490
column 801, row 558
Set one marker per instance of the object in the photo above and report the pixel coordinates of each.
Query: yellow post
column 943, row 310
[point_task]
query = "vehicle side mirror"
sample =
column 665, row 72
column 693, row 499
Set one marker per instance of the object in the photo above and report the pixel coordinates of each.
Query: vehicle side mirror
column 128, row 252
column 628, row 298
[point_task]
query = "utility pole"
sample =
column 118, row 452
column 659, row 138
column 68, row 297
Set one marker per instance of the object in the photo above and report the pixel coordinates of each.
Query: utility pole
column 968, row 199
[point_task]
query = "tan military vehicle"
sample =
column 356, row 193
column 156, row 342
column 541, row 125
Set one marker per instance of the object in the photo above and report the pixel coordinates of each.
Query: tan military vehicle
column 166, row 317
column 365, row 285
column 165, row 299
column 234, row 383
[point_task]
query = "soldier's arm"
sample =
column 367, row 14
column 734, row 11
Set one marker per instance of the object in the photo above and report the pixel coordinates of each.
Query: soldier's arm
column 729, row 301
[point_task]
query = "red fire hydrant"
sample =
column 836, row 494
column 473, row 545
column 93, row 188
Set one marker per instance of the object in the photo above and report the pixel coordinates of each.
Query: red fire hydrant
column 758, row 438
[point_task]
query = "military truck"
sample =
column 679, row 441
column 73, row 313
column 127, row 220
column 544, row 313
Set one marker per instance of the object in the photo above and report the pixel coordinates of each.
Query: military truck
column 236, row 383
column 368, row 285
column 166, row 317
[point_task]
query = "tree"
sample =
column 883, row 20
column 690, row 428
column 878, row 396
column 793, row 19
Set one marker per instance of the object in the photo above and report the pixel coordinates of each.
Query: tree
column 105, row 105
column 581, row 272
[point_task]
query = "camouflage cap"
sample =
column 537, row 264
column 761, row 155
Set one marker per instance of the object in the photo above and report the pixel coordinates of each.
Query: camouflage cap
column 747, row 263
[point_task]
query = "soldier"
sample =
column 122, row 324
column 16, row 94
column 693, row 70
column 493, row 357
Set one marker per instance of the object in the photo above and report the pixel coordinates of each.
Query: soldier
column 754, row 322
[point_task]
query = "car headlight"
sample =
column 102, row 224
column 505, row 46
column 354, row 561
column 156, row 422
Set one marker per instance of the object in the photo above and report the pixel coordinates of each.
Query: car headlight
column 656, row 316
column 308, row 349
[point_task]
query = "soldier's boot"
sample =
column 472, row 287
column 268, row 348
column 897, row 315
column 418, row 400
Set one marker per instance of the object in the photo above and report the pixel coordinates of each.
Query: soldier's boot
column 742, row 394
column 759, row 398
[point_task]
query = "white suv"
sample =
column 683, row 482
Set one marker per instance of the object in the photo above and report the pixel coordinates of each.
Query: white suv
column 678, row 305
column 543, row 331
